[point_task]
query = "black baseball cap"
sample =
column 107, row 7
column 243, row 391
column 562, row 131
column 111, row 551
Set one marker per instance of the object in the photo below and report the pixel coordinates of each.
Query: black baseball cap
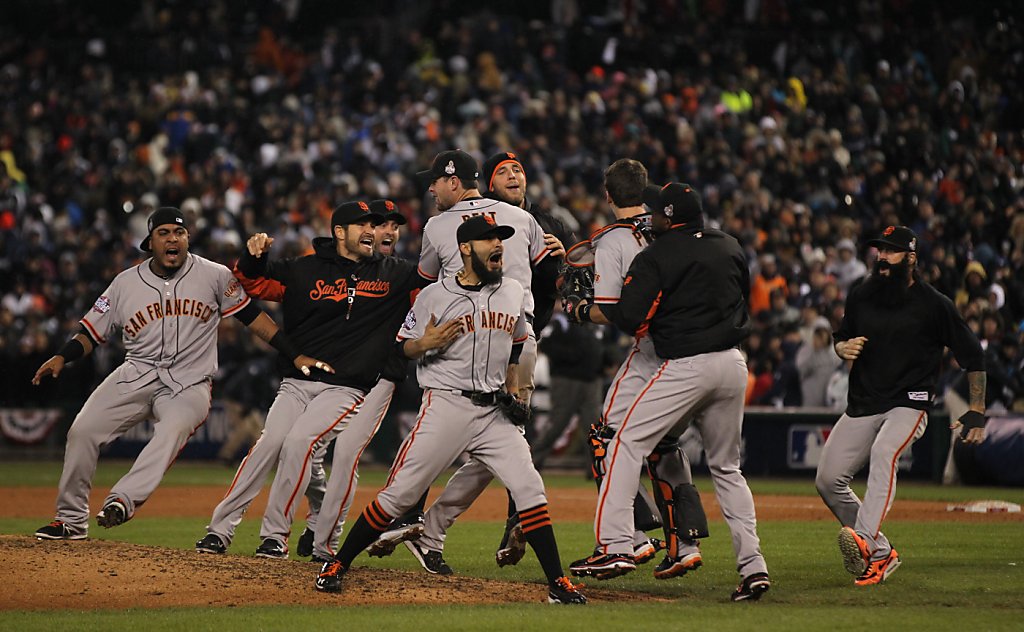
column 482, row 227
column 676, row 200
column 387, row 210
column 494, row 162
column 161, row 216
column 898, row 238
column 453, row 162
column 352, row 212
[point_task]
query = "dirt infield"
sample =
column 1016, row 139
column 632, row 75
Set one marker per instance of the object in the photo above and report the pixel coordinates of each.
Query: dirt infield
column 102, row 574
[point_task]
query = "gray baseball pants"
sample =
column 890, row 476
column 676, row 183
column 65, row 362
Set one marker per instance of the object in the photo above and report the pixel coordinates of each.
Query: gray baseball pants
column 706, row 390
column 853, row 441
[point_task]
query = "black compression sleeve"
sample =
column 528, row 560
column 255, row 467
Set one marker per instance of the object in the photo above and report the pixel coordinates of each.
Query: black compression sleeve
column 517, row 350
column 248, row 313
column 72, row 350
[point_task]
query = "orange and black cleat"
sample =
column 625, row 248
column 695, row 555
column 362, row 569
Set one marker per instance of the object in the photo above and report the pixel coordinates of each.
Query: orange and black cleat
column 879, row 570
column 854, row 550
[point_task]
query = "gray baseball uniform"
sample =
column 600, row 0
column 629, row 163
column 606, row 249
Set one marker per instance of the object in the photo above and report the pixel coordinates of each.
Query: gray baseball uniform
column 440, row 255
column 450, row 422
column 169, row 331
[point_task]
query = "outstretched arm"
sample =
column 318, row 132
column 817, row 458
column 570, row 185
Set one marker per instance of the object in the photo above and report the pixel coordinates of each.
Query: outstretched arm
column 78, row 347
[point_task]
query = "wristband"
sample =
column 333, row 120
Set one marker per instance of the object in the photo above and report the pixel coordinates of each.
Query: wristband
column 583, row 313
column 72, row 350
column 284, row 345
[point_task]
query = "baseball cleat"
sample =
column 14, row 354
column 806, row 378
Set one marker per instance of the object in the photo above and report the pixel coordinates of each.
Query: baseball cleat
column 272, row 549
column 60, row 530
column 513, row 546
column 211, row 543
column 304, row 547
column 854, row 550
column 879, row 570
column 646, row 550
column 565, row 592
column 431, row 561
column 752, row 587
column 112, row 514
column 329, row 578
column 403, row 529
column 677, row 566
column 603, row 566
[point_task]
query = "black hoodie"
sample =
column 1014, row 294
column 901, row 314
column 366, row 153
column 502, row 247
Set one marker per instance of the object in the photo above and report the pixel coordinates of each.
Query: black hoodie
column 341, row 311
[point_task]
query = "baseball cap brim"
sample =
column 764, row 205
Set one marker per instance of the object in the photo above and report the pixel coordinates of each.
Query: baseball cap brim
column 501, row 232
column 652, row 196
column 395, row 217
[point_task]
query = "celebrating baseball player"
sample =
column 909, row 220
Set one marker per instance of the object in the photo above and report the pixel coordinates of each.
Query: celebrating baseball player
column 317, row 540
column 347, row 302
column 681, row 512
column 466, row 332
column 894, row 329
column 167, row 309
column 689, row 290
column 529, row 254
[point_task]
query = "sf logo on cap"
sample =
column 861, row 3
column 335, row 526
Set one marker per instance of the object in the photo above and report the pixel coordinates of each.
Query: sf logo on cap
column 364, row 206
column 450, row 168
column 489, row 220
column 888, row 231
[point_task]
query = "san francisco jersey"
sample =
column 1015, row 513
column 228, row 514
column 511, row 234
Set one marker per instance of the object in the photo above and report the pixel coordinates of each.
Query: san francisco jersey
column 439, row 251
column 168, row 326
column 491, row 319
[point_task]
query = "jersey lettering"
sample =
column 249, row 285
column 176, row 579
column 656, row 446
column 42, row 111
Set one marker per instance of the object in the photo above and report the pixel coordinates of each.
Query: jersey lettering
column 338, row 291
column 156, row 311
column 490, row 216
column 498, row 320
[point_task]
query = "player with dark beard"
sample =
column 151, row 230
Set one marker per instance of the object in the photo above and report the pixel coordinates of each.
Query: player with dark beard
column 895, row 329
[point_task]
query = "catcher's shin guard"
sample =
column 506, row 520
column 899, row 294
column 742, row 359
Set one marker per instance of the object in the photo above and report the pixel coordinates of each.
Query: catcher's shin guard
column 646, row 516
column 679, row 504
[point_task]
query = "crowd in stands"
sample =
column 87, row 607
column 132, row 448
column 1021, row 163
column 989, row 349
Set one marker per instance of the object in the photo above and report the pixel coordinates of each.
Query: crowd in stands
column 807, row 127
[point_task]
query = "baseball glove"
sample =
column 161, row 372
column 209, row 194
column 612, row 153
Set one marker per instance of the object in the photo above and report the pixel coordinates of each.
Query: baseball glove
column 577, row 282
column 516, row 411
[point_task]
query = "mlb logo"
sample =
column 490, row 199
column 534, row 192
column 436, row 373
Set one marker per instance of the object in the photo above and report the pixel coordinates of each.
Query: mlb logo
column 805, row 443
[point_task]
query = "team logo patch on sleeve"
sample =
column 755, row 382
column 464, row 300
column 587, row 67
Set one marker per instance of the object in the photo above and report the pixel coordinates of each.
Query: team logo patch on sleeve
column 102, row 305
column 233, row 288
column 410, row 321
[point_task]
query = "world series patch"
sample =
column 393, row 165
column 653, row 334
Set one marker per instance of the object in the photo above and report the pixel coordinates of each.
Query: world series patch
column 102, row 305
column 410, row 321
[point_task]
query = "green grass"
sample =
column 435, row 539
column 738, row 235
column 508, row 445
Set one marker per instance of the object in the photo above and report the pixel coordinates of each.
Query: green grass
column 955, row 576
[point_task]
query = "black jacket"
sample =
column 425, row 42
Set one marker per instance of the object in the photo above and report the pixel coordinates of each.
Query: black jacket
column 689, row 291
column 343, row 312
column 899, row 364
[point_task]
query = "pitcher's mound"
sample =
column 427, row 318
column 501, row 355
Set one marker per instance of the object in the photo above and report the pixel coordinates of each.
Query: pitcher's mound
column 95, row 574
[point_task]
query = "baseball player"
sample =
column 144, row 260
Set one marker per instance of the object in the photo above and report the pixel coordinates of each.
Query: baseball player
column 895, row 329
column 465, row 363
column 505, row 178
column 167, row 309
column 688, row 290
column 346, row 301
column 453, row 183
column 342, row 486
column 681, row 512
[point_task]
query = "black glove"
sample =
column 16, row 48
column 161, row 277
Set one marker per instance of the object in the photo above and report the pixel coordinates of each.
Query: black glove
column 970, row 419
column 577, row 280
column 516, row 411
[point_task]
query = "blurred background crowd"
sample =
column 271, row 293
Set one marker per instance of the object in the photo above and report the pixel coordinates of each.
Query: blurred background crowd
column 807, row 127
